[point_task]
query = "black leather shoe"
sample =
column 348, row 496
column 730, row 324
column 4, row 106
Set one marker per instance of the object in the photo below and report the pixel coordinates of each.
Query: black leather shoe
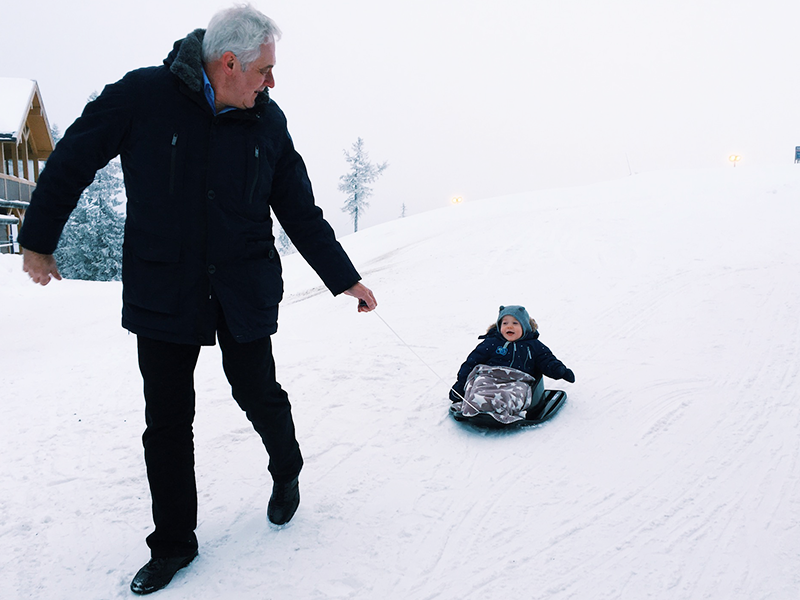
column 158, row 572
column 284, row 502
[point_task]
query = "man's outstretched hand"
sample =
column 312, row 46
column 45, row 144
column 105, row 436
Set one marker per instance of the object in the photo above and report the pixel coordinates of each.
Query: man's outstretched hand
column 366, row 300
column 40, row 267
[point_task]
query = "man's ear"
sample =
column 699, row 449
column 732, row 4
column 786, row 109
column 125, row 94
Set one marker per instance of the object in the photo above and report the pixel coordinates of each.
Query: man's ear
column 229, row 61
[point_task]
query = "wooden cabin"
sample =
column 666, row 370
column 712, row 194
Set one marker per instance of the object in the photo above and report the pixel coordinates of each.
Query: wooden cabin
column 25, row 142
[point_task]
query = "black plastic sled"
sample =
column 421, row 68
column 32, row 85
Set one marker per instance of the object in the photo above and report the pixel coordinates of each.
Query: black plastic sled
column 551, row 402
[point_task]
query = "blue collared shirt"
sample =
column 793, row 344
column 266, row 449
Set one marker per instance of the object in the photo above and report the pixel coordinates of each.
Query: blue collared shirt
column 209, row 92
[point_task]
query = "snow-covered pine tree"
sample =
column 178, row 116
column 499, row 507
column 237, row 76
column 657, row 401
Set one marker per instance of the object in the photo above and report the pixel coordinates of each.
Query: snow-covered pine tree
column 354, row 183
column 285, row 245
column 91, row 243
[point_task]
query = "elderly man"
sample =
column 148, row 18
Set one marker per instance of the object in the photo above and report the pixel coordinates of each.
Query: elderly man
column 205, row 155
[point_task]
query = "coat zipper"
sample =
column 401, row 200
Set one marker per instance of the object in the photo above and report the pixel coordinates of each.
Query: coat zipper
column 172, row 164
column 255, row 178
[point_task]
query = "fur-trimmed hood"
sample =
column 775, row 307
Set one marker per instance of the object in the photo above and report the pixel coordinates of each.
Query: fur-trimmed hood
column 493, row 332
column 185, row 61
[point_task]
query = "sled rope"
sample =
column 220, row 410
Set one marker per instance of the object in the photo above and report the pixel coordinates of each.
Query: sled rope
column 407, row 346
column 413, row 352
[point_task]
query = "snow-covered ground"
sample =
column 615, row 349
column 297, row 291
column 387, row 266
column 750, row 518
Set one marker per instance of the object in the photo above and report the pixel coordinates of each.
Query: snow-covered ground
column 672, row 472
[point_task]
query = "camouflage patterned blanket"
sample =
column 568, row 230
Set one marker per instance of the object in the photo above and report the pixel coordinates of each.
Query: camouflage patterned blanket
column 502, row 392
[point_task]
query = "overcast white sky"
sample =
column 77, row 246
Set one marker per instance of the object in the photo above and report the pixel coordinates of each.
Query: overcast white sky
column 468, row 98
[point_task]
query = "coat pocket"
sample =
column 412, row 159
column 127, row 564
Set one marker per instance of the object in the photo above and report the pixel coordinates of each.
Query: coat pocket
column 152, row 272
column 266, row 282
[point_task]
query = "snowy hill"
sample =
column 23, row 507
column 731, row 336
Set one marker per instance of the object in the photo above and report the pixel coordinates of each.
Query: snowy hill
column 672, row 472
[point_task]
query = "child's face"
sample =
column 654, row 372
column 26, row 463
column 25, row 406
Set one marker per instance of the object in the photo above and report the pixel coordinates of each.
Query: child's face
column 510, row 329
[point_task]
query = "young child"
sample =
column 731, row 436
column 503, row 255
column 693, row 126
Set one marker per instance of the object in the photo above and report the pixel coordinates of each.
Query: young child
column 497, row 375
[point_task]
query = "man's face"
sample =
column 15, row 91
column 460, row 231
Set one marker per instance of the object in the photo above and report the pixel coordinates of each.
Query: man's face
column 246, row 85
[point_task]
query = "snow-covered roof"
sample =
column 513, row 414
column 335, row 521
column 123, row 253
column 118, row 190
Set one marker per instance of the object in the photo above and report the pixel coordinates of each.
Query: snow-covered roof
column 16, row 96
column 21, row 105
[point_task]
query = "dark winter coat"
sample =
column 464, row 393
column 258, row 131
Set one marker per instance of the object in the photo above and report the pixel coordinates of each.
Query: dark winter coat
column 199, row 192
column 526, row 354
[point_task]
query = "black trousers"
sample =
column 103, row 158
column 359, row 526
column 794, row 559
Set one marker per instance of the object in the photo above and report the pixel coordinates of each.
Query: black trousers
column 168, row 373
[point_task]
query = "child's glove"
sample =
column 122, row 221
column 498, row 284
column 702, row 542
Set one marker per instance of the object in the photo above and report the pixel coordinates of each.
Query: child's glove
column 568, row 376
column 456, row 395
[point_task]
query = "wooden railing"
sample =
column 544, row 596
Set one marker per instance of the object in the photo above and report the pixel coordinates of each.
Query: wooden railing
column 7, row 242
column 15, row 189
column 15, row 195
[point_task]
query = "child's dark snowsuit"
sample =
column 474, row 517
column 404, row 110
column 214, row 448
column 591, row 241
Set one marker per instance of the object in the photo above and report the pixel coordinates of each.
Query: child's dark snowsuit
column 526, row 354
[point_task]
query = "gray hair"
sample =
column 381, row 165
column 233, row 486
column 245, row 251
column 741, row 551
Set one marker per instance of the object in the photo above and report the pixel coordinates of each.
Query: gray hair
column 241, row 30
